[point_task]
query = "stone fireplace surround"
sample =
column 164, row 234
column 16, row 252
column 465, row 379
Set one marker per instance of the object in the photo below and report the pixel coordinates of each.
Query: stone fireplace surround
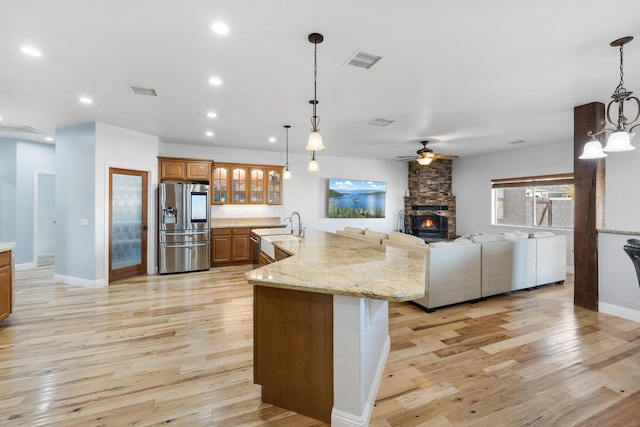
column 430, row 191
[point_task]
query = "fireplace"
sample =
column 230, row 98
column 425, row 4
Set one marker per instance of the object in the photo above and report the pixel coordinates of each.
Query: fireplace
column 430, row 226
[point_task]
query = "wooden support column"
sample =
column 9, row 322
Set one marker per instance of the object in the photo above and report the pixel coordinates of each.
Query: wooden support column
column 589, row 178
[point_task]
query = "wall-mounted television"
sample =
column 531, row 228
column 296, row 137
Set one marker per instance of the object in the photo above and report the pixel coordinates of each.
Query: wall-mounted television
column 352, row 198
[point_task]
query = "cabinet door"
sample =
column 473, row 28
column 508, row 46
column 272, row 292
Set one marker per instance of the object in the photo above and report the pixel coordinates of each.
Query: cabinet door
column 239, row 185
column 200, row 171
column 274, row 186
column 220, row 185
column 241, row 247
column 5, row 292
column 256, row 186
column 173, row 170
column 220, row 246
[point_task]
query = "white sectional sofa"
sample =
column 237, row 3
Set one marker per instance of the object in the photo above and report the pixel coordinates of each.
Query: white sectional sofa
column 480, row 266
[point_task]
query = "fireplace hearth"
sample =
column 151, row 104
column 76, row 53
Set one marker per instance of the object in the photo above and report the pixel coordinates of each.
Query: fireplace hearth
column 430, row 196
column 430, row 226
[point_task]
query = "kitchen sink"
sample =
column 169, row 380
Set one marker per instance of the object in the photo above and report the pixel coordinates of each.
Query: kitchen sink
column 266, row 242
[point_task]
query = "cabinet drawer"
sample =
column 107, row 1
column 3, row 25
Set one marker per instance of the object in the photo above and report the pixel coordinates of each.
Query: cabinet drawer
column 220, row 231
column 241, row 231
column 5, row 258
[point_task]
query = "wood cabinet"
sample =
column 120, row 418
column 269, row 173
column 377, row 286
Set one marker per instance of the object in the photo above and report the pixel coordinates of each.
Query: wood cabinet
column 230, row 246
column 274, row 186
column 220, row 185
column 6, row 285
column 293, row 366
column 239, row 183
column 178, row 169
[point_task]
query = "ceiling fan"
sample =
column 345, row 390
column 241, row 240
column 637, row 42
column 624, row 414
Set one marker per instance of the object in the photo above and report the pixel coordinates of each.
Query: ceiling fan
column 426, row 155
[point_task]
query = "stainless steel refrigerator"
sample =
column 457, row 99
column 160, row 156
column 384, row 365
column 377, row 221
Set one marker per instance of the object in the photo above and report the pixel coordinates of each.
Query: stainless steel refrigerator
column 184, row 227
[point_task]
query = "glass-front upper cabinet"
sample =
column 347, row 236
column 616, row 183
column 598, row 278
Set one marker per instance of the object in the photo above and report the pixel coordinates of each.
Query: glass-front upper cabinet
column 239, row 185
column 220, row 185
column 243, row 183
column 274, row 186
column 257, row 186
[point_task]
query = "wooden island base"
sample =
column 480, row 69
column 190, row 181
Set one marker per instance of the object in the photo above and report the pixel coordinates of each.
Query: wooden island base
column 293, row 350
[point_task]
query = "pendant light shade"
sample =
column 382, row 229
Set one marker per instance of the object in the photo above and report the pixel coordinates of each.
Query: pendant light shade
column 592, row 150
column 315, row 140
column 313, row 164
column 619, row 140
column 287, row 173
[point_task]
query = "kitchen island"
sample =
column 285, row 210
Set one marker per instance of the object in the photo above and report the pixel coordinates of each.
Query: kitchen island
column 321, row 323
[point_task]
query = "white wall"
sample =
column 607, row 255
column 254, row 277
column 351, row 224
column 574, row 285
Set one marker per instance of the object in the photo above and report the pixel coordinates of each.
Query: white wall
column 471, row 184
column 307, row 191
column 618, row 291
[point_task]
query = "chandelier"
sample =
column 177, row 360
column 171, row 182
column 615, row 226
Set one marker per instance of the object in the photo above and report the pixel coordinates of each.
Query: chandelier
column 620, row 137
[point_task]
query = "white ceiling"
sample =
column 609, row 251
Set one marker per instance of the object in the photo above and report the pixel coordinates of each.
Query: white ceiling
column 471, row 76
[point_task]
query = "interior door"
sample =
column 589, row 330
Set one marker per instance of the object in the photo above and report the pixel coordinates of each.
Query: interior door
column 128, row 223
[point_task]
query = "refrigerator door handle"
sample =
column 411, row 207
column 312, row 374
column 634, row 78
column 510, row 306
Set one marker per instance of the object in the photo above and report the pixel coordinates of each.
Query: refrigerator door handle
column 190, row 245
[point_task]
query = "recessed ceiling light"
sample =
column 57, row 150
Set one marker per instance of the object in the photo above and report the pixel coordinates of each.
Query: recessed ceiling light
column 209, row 133
column 48, row 138
column 31, row 51
column 85, row 100
column 215, row 81
column 212, row 115
column 220, row 28
column 272, row 139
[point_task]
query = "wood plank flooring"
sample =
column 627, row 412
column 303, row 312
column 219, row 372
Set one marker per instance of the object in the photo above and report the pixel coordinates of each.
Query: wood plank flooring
column 177, row 349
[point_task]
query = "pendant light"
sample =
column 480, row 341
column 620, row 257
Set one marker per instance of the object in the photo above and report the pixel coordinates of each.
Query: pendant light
column 287, row 172
column 313, row 164
column 315, row 139
column 620, row 138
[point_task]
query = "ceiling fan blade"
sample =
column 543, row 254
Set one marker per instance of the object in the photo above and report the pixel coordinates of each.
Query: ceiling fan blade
column 445, row 156
column 407, row 157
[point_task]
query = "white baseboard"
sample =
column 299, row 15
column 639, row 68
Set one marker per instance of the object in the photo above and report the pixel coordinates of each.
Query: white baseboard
column 615, row 310
column 25, row 266
column 76, row 281
column 345, row 419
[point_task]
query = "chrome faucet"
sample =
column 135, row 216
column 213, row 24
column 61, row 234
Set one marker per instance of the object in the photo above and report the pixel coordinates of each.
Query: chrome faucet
column 290, row 219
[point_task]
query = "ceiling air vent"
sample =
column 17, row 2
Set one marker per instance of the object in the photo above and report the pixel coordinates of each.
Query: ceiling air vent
column 381, row 122
column 143, row 91
column 517, row 141
column 20, row 129
column 362, row 59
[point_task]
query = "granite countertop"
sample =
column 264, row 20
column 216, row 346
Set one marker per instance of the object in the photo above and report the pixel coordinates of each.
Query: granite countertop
column 7, row 246
column 627, row 233
column 270, row 221
column 331, row 264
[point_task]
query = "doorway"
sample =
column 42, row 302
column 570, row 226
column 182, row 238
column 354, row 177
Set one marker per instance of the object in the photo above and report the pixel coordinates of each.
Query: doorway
column 44, row 219
column 128, row 200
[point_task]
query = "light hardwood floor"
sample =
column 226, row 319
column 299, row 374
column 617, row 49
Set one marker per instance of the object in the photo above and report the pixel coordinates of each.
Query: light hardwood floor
column 177, row 350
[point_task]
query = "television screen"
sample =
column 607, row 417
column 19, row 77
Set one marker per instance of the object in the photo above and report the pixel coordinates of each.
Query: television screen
column 351, row 198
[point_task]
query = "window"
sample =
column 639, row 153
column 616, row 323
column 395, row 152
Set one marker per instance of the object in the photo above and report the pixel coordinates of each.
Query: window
column 534, row 201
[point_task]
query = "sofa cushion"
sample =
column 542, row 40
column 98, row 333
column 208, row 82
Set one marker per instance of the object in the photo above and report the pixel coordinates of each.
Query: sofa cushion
column 516, row 235
column 485, row 238
column 353, row 230
column 460, row 241
column 375, row 234
column 407, row 239
column 541, row 234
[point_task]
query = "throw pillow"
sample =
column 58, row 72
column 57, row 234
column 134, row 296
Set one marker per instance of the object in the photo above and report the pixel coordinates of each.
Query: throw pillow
column 485, row 238
column 407, row 239
column 375, row 234
column 541, row 234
